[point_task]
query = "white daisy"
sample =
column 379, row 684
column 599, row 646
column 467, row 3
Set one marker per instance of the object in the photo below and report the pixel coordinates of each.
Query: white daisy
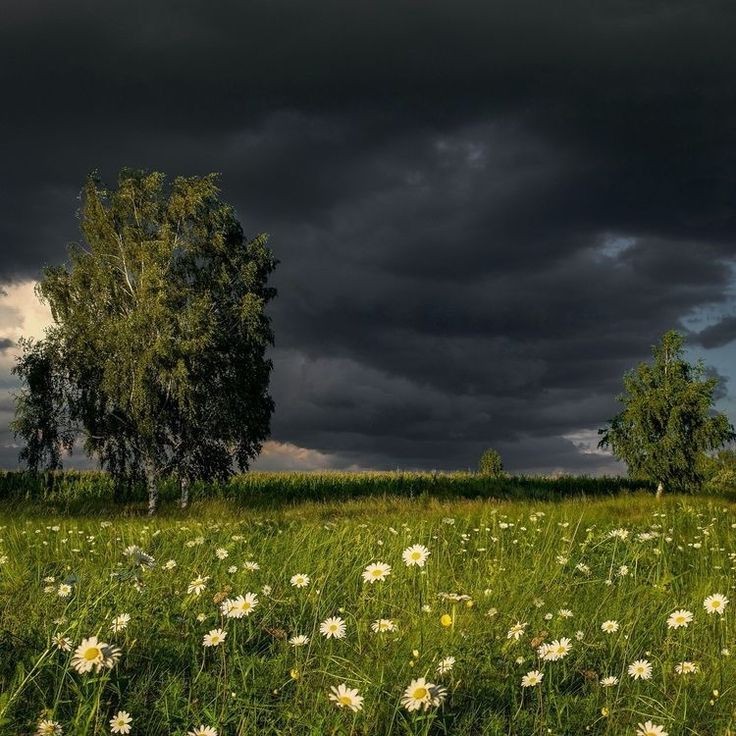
column 383, row 624
column 649, row 729
column 445, row 665
column 715, row 603
column 120, row 722
column 376, row 571
column 641, row 669
column 415, row 555
column 214, row 638
column 686, row 668
column 198, row 584
column 679, row 619
column 238, row 607
column 120, row 622
column 300, row 580
column 345, row 697
column 332, row 628
column 532, row 678
column 422, row 695
column 47, row 727
column 203, row 731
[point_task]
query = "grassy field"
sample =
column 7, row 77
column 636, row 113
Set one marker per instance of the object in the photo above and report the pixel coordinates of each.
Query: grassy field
column 501, row 580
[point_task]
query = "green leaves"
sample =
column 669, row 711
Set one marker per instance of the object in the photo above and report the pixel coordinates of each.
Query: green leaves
column 667, row 422
column 157, row 358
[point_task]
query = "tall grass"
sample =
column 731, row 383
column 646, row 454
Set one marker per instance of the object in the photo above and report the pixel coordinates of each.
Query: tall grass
column 518, row 561
column 79, row 489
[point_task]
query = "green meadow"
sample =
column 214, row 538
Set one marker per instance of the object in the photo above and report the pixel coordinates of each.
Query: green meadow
column 104, row 611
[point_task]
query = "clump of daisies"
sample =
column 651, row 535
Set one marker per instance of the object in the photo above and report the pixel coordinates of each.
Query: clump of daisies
column 239, row 607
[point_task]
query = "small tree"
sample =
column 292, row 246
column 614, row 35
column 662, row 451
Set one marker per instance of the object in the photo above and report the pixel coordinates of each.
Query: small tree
column 157, row 355
column 668, row 421
column 491, row 464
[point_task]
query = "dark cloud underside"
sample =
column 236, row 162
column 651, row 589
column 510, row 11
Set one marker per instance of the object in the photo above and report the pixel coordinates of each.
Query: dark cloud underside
column 485, row 211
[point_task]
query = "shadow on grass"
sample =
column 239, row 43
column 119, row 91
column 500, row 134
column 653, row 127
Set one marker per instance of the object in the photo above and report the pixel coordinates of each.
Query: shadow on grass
column 81, row 493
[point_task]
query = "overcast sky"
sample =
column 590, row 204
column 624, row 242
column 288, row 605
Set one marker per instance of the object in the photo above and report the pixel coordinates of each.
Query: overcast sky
column 485, row 212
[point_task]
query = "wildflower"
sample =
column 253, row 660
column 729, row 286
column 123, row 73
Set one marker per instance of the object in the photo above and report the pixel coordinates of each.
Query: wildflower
column 214, row 638
column 94, row 654
column 61, row 643
column 240, row 606
column 300, row 580
column 564, row 613
column 421, row 695
column 609, row 681
column 203, row 731
column 649, row 729
column 679, row 619
column 345, row 697
column 415, row 555
column 251, row 566
column 516, row 631
column 686, row 668
column 333, row 628
column 47, row 727
column 64, row 590
column 641, row 669
column 610, row 626
column 266, row 590
column 221, row 553
column 376, row 572
column 532, row 678
column 383, row 624
column 446, row 620
column 169, row 565
column 120, row 622
column 138, row 556
column 445, row 665
column 715, row 603
column 300, row 640
column 120, row 722
column 558, row 649
column 198, row 584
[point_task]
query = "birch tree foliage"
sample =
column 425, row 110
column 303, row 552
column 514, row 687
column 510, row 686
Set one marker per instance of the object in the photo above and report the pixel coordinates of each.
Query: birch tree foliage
column 668, row 420
column 160, row 331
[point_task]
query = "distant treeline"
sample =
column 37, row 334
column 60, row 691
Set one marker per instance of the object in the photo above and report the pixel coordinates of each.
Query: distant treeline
column 266, row 488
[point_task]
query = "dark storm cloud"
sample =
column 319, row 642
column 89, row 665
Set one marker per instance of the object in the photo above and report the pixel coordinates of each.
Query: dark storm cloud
column 718, row 334
column 485, row 211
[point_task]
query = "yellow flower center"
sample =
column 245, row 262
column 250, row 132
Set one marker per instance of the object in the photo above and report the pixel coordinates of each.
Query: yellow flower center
column 346, row 699
column 92, row 653
column 416, row 555
column 421, row 693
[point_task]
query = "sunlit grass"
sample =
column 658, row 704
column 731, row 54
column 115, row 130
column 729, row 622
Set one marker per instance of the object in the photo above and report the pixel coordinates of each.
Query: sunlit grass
column 518, row 562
